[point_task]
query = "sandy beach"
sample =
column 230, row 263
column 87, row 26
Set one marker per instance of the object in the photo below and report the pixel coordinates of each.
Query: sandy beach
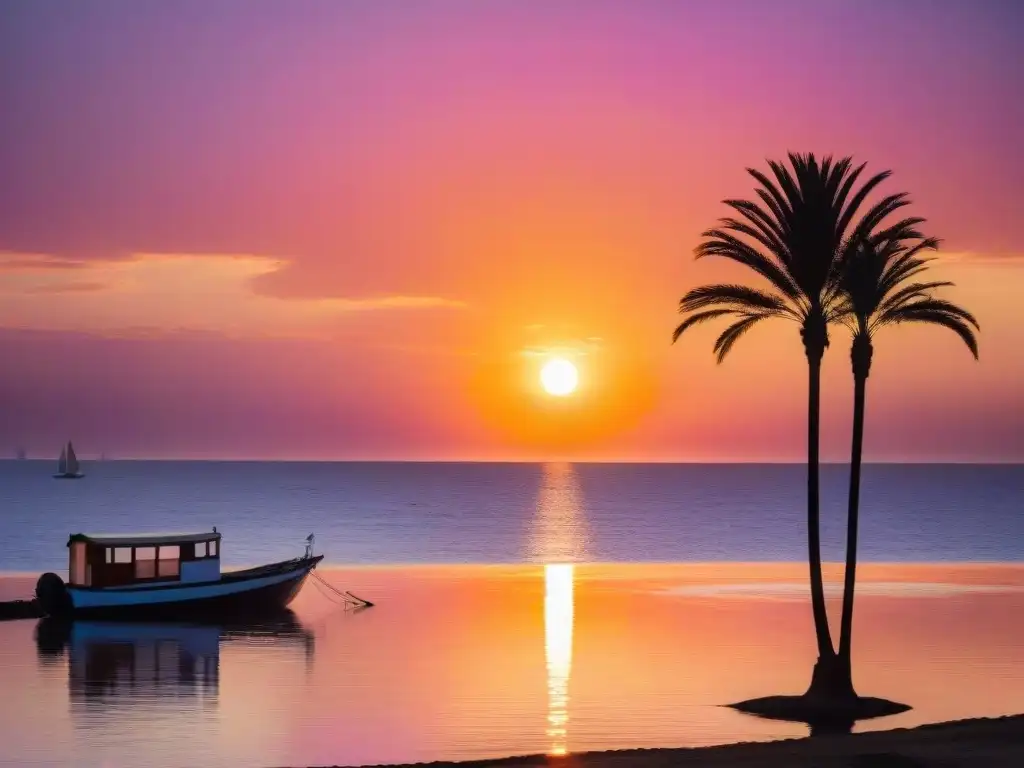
column 990, row 742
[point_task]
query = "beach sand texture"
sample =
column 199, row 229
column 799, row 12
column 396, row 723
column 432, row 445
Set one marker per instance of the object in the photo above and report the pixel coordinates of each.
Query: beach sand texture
column 989, row 742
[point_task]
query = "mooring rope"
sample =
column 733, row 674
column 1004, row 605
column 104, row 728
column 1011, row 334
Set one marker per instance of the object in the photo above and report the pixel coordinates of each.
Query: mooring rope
column 347, row 598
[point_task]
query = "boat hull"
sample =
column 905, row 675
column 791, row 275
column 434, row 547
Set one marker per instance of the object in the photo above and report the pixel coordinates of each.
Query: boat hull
column 68, row 476
column 255, row 592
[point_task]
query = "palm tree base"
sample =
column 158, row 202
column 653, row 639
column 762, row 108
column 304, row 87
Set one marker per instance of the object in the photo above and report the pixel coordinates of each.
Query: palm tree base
column 832, row 680
column 830, row 704
column 823, row 715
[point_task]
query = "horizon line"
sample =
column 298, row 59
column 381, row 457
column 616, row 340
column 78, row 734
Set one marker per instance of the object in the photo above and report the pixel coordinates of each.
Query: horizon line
column 622, row 564
column 558, row 460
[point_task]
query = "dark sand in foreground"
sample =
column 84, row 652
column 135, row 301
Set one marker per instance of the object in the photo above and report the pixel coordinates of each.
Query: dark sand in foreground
column 993, row 743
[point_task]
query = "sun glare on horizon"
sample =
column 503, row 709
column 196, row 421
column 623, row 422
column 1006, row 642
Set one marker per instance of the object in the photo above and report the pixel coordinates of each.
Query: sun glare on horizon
column 559, row 377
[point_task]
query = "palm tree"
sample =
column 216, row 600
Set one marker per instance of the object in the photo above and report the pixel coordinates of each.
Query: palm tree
column 880, row 288
column 795, row 238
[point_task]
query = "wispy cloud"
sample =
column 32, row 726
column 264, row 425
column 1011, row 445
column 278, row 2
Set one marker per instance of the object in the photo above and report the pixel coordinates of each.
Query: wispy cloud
column 36, row 262
column 174, row 292
column 392, row 302
column 565, row 348
column 974, row 258
column 78, row 286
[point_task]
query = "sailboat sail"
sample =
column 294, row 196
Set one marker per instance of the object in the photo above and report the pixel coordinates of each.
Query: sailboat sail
column 72, row 460
column 62, row 465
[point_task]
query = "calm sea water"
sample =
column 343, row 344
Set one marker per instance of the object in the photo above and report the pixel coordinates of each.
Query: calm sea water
column 464, row 661
column 461, row 662
column 381, row 513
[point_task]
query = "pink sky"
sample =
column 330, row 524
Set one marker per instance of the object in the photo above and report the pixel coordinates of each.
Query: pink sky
column 339, row 230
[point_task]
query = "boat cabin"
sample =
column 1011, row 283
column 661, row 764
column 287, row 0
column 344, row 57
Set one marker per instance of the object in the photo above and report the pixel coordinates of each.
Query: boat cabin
column 124, row 560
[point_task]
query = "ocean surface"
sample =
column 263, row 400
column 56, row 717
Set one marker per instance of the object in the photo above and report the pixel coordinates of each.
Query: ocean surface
column 461, row 662
column 390, row 513
column 550, row 608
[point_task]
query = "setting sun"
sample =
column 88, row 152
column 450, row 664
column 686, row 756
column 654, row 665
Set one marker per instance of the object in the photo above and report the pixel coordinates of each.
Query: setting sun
column 559, row 377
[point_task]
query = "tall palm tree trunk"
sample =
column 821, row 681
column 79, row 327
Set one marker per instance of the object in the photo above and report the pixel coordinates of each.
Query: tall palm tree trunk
column 860, row 355
column 813, row 531
column 827, row 677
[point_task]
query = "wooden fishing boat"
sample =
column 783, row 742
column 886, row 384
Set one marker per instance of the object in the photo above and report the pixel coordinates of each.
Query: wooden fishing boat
column 172, row 575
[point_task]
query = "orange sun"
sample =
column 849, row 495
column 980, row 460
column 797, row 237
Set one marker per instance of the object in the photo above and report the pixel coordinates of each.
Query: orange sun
column 559, row 377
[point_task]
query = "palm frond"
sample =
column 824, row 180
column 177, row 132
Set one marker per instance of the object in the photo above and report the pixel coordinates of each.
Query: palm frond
column 898, row 270
column 910, row 293
column 844, row 191
column 782, row 214
column 780, row 205
column 874, row 217
column 905, row 247
column 785, row 179
column 878, row 266
column 959, row 322
column 804, row 233
column 925, row 244
column 841, row 311
column 735, row 297
column 932, row 304
column 720, row 242
column 850, row 211
column 755, row 232
column 761, row 218
column 905, row 229
column 731, row 334
column 697, row 318
column 835, row 176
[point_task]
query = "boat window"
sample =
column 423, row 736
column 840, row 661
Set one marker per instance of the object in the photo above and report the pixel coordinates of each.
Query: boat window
column 109, row 554
column 78, row 563
column 213, row 549
column 123, row 555
column 169, row 561
column 145, row 562
column 200, row 549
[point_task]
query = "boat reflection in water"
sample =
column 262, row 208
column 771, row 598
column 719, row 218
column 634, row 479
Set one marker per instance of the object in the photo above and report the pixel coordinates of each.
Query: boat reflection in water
column 115, row 664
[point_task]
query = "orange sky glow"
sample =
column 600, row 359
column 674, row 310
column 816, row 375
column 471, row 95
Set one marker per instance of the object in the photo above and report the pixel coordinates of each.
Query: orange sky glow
column 367, row 247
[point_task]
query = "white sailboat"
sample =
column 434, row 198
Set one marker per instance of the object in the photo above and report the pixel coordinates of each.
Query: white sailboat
column 67, row 465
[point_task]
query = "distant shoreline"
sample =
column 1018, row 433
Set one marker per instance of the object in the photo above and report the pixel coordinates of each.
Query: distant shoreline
column 991, row 742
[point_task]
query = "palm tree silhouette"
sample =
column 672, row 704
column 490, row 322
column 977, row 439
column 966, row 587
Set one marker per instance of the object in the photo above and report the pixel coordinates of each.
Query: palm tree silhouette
column 796, row 238
column 880, row 288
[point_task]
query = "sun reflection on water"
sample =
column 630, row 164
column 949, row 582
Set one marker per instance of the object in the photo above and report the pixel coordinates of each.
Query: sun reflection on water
column 558, row 620
column 559, row 532
column 559, row 535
